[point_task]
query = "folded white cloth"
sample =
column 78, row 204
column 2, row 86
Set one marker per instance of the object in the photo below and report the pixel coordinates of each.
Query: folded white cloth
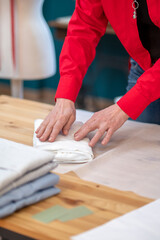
column 17, row 159
column 65, row 148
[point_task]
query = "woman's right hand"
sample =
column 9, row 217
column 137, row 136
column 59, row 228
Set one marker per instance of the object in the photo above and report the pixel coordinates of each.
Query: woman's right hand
column 60, row 118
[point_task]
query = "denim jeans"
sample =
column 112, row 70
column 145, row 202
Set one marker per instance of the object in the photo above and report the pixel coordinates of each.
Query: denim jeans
column 152, row 113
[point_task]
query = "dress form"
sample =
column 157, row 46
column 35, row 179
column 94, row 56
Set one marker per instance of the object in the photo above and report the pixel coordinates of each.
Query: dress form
column 26, row 45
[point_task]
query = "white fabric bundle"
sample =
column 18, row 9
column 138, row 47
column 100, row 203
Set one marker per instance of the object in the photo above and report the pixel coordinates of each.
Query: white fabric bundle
column 65, row 148
column 17, row 159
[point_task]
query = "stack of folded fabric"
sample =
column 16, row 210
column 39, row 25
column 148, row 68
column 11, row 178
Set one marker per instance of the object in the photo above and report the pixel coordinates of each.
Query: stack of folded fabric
column 65, row 148
column 25, row 176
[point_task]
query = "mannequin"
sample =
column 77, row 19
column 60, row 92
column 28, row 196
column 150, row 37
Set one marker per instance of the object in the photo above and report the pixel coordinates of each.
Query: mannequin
column 26, row 47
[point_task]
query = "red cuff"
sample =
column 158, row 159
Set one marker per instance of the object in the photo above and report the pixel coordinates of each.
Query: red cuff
column 68, row 88
column 133, row 103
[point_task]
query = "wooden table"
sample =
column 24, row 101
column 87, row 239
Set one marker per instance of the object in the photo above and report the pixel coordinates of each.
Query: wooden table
column 16, row 124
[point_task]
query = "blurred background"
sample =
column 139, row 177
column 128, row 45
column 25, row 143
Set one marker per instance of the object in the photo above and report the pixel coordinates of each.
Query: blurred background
column 106, row 78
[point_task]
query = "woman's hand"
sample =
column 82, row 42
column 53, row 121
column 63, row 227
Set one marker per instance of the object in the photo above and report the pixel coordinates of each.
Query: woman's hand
column 60, row 118
column 106, row 121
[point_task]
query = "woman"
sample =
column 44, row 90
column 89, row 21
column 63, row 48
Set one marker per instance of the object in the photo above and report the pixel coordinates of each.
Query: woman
column 137, row 25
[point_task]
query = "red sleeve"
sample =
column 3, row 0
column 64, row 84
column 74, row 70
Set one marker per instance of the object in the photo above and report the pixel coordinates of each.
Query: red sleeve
column 86, row 27
column 145, row 91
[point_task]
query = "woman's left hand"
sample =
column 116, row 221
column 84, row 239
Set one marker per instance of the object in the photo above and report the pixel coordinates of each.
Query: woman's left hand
column 106, row 121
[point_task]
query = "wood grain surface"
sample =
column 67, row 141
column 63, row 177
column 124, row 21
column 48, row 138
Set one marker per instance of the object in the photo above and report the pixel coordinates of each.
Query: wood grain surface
column 17, row 123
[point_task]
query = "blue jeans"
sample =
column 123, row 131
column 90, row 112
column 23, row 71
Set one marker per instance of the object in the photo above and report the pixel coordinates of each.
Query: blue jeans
column 152, row 113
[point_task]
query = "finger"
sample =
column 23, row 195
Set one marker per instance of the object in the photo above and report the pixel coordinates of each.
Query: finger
column 84, row 130
column 96, row 137
column 43, row 125
column 107, row 136
column 68, row 125
column 41, row 129
column 37, row 130
column 56, row 129
column 46, row 132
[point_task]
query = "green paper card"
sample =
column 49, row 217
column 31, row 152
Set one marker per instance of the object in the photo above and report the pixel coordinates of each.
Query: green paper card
column 74, row 213
column 50, row 214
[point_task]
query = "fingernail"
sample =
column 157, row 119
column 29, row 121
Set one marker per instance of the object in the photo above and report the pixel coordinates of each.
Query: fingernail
column 76, row 137
column 51, row 139
column 90, row 144
column 65, row 132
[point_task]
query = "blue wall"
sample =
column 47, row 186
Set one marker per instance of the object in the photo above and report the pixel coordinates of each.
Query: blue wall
column 107, row 75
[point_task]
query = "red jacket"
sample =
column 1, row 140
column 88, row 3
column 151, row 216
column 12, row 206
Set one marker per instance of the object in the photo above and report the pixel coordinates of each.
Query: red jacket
column 87, row 25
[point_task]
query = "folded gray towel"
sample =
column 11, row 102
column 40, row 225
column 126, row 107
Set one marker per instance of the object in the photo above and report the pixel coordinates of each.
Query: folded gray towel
column 17, row 159
column 29, row 176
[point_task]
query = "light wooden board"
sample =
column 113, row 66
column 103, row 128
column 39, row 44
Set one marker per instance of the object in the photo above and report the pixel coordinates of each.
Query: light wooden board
column 16, row 124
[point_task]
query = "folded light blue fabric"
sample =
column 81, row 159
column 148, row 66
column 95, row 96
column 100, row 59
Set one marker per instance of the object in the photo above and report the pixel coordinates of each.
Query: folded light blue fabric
column 29, row 189
column 36, row 197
